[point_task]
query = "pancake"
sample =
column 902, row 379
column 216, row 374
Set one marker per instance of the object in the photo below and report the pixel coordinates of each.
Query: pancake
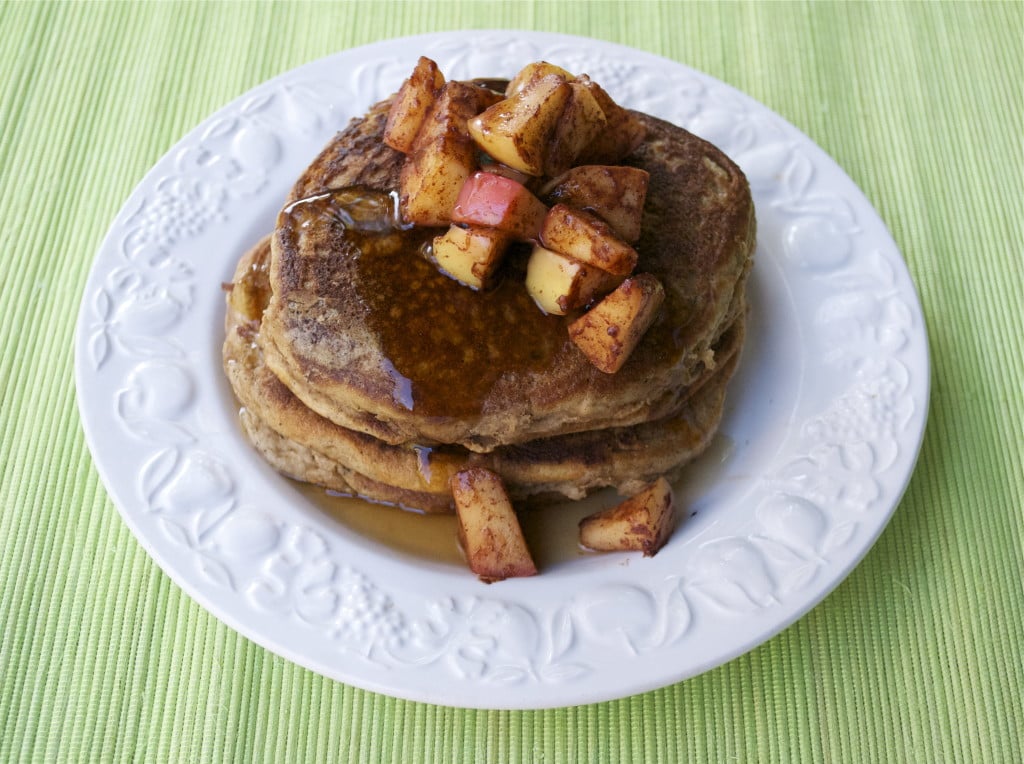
column 365, row 332
column 309, row 466
column 301, row 444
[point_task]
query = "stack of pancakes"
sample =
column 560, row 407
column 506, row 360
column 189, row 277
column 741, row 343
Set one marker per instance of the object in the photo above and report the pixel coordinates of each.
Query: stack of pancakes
column 360, row 367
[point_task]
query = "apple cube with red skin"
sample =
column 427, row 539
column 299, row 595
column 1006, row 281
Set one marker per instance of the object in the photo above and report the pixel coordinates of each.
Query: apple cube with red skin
column 497, row 168
column 517, row 130
column 641, row 523
column 489, row 200
column 489, row 530
column 411, row 105
column 443, row 155
column 559, row 284
column 583, row 236
column 470, row 255
column 609, row 332
column 615, row 193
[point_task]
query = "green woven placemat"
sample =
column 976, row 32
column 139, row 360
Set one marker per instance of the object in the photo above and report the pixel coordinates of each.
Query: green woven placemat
column 916, row 657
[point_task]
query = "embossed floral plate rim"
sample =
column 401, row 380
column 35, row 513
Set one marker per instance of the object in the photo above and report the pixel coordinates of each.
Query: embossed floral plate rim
column 824, row 422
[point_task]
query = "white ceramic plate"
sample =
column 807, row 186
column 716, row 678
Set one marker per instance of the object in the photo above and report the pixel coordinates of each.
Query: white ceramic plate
column 823, row 427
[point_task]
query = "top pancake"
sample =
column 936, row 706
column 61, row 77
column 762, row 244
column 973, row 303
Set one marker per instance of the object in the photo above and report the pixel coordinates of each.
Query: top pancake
column 367, row 333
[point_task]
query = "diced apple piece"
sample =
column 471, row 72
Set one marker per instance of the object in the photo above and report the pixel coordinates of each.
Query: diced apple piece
column 411, row 105
column 642, row 523
column 623, row 131
column 494, row 201
column 581, row 122
column 443, row 156
column 584, row 236
column 488, row 527
column 559, row 284
column 470, row 255
column 517, row 130
column 533, row 72
column 609, row 332
column 616, row 194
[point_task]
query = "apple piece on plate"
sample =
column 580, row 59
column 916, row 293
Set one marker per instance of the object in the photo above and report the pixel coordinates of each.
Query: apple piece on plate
column 609, row 332
column 489, row 200
column 559, row 284
column 443, row 156
column 411, row 105
column 623, row 131
column 615, row 193
column 581, row 122
column 489, row 530
column 641, row 523
column 470, row 255
column 533, row 72
column 585, row 237
column 517, row 130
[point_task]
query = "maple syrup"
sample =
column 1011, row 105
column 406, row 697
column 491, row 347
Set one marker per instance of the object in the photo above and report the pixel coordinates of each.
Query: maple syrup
column 445, row 344
column 550, row 532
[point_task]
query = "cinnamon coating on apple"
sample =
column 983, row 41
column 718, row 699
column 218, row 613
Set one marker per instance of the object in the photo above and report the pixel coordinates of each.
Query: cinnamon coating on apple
column 535, row 165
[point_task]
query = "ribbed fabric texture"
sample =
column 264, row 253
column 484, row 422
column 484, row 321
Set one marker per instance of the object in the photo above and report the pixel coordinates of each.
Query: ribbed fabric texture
column 916, row 657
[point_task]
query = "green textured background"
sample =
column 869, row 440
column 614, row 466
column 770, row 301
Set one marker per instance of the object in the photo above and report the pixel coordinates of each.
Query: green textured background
column 916, row 657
